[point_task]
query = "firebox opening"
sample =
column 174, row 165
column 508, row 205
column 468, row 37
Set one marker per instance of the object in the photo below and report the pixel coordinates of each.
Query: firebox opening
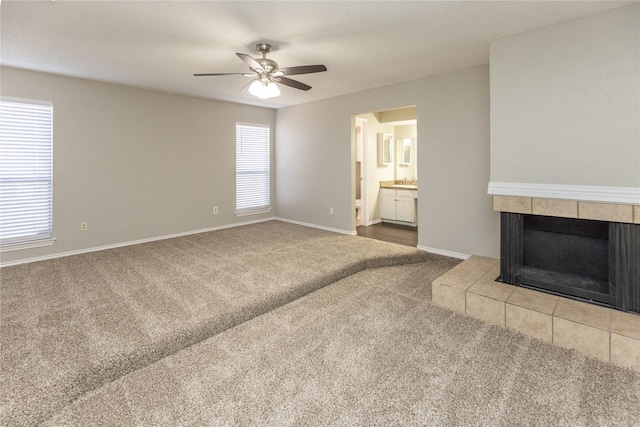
column 570, row 246
column 594, row 261
column 566, row 256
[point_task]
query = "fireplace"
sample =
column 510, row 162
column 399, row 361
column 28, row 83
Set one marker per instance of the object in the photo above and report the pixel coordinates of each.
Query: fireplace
column 589, row 260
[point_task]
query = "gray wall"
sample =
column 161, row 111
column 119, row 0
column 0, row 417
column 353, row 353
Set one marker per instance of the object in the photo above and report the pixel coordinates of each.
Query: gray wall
column 565, row 103
column 135, row 164
column 455, row 211
column 315, row 158
column 138, row 164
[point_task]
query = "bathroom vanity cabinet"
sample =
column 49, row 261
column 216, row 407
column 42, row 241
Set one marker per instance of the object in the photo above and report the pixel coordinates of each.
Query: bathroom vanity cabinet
column 398, row 205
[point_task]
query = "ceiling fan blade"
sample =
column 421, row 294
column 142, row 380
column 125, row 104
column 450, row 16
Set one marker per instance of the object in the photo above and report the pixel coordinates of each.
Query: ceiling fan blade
column 293, row 83
column 303, row 69
column 250, row 61
column 219, row 74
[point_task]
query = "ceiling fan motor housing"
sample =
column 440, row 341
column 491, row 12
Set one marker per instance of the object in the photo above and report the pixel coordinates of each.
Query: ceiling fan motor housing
column 267, row 64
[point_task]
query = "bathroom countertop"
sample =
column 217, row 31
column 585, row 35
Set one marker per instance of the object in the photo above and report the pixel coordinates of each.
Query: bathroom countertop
column 399, row 185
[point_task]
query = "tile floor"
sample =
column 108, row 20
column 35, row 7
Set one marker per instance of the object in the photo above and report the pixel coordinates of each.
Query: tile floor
column 470, row 288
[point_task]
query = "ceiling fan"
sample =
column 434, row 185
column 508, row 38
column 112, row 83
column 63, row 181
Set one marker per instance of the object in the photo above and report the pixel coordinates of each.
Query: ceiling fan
column 266, row 74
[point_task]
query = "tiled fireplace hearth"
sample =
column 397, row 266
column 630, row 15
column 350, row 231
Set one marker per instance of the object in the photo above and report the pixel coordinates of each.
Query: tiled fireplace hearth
column 475, row 287
column 470, row 288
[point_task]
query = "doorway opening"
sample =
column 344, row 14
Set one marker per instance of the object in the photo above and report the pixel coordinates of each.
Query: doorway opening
column 360, row 208
column 385, row 162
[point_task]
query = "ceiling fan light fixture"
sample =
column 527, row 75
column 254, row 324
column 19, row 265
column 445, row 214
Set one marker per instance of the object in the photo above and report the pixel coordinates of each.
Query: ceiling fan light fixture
column 264, row 90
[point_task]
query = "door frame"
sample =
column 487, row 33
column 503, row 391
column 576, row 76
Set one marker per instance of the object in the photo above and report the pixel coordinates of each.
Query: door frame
column 364, row 212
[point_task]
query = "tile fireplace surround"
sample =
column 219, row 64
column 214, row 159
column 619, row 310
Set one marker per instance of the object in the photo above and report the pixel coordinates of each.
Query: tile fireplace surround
column 471, row 288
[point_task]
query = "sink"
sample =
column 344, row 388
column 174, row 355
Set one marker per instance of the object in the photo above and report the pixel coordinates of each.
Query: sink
column 405, row 186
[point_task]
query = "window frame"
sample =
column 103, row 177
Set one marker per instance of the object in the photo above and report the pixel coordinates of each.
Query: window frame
column 263, row 200
column 39, row 231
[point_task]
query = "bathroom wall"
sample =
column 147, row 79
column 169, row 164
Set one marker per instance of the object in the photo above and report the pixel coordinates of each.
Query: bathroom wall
column 407, row 171
column 374, row 172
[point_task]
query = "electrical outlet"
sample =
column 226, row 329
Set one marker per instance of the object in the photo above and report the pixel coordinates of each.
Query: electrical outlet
column 330, row 211
column 215, row 210
column 83, row 226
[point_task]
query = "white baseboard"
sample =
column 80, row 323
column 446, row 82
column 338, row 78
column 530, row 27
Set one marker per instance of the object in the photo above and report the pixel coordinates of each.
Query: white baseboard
column 585, row 193
column 407, row 224
column 306, row 224
column 132, row 242
column 205, row 230
column 443, row 252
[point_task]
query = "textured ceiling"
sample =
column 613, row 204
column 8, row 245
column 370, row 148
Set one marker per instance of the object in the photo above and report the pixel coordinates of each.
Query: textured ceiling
column 160, row 44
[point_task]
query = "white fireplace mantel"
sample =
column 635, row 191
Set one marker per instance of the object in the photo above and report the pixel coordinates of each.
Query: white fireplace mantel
column 585, row 193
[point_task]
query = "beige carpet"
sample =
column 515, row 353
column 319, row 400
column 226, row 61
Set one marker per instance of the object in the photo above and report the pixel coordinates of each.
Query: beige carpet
column 70, row 325
column 368, row 350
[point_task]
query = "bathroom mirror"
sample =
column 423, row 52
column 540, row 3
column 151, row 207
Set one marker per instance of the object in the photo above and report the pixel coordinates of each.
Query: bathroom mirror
column 406, row 151
column 385, row 149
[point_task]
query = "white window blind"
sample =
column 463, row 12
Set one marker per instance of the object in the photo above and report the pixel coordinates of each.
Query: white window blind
column 252, row 169
column 26, row 171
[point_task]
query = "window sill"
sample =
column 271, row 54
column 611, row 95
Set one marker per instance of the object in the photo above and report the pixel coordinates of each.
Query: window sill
column 27, row 245
column 253, row 211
